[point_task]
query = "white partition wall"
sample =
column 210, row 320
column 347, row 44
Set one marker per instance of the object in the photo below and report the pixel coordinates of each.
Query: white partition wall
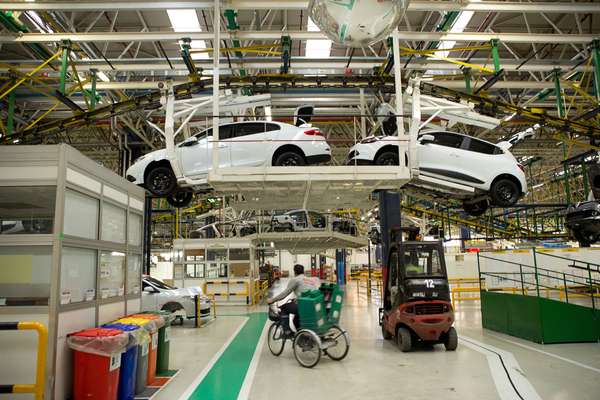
column 225, row 268
column 70, row 253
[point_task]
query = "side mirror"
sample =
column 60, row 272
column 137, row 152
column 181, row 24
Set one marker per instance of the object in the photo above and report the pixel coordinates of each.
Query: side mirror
column 149, row 289
column 426, row 139
column 192, row 141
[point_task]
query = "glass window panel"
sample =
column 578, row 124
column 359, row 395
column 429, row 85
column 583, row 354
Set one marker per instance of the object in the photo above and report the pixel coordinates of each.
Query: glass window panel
column 134, row 228
column 223, row 270
column 212, row 270
column 78, row 275
column 113, row 223
column 112, row 267
column 448, row 139
column 194, row 270
column 80, row 207
column 239, row 254
column 482, row 147
column 25, row 275
column 27, row 210
column 134, row 273
column 217, row 255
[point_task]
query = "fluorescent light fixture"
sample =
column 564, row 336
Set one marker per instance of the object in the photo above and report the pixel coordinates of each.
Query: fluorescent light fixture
column 102, row 76
column 186, row 20
column 317, row 48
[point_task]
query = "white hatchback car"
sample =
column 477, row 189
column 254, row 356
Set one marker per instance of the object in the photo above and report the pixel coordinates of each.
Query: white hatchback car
column 157, row 295
column 241, row 144
column 470, row 169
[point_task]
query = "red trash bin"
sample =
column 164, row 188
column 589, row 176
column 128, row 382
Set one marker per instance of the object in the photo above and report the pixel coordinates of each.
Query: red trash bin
column 97, row 361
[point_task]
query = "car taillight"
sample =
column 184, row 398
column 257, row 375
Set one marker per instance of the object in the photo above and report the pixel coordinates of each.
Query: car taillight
column 521, row 167
column 313, row 132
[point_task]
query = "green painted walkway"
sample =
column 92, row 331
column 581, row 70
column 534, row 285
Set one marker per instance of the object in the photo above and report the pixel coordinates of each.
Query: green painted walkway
column 226, row 377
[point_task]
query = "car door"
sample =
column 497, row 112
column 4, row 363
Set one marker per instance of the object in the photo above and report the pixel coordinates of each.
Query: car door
column 253, row 143
column 478, row 153
column 149, row 299
column 444, row 157
column 300, row 220
column 196, row 155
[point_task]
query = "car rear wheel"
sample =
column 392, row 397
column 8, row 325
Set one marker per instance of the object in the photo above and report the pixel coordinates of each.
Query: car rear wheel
column 387, row 158
column 504, row 192
column 585, row 239
column 289, row 159
column 180, row 198
column 161, row 181
column 476, row 209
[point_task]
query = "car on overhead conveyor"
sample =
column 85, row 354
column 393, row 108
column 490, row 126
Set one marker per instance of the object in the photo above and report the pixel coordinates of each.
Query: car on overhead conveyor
column 241, row 144
column 583, row 222
column 475, row 171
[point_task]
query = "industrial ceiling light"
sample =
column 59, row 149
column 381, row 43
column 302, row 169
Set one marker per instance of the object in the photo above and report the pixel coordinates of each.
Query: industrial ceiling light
column 186, row 20
column 317, row 48
column 102, row 76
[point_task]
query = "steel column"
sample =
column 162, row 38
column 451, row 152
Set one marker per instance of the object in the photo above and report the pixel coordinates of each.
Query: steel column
column 560, row 107
column 64, row 64
column 596, row 56
column 467, row 75
column 10, row 120
column 215, row 91
column 495, row 55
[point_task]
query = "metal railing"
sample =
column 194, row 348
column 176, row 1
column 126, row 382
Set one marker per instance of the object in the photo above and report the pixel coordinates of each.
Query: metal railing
column 38, row 387
column 535, row 278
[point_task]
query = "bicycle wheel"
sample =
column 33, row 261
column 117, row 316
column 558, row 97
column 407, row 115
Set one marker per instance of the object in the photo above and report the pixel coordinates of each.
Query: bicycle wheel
column 307, row 348
column 276, row 339
column 336, row 343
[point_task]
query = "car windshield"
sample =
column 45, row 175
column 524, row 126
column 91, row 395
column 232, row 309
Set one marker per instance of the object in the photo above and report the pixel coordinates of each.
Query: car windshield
column 421, row 260
column 159, row 284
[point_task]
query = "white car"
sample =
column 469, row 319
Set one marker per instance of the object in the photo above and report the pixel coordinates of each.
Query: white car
column 241, row 144
column 467, row 168
column 157, row 295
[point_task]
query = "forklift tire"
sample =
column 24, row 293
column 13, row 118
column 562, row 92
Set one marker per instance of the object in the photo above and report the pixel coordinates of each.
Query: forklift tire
column 451, row 339
column 384, row 332
column 404, row 339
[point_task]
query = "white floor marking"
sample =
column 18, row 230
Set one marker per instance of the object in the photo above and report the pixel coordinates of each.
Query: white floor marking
column 499, row 373
column 547, row 354
column 192, row 386
column 249, row 379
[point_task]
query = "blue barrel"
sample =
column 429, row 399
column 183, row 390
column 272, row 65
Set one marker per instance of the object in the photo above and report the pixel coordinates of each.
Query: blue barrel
column 129, row 360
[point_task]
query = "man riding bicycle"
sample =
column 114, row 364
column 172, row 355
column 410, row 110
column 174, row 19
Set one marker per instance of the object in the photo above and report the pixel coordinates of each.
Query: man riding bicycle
column 298, row 284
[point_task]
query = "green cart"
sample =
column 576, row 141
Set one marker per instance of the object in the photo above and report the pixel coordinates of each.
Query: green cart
column 319, row 331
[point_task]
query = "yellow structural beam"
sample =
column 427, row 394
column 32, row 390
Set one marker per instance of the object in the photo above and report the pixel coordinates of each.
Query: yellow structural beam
column 35, row 71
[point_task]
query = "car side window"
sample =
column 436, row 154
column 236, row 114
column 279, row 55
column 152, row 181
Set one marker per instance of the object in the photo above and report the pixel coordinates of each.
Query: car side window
column 317, row 220
column 271, row 127
column 480, row 146
column 447, row 139
column 299, row 217
column 226, row 131
column 249, row 128
column 204, row 133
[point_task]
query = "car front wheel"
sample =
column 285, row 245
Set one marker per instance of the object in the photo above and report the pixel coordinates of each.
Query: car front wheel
column 504, row 192
column 161, row 181
column 476, row 209
column 180, row 198
column 387, row 158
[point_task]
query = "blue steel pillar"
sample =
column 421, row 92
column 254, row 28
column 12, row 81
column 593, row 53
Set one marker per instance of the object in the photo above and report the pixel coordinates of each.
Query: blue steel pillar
column 389, row 218
column 340, row 266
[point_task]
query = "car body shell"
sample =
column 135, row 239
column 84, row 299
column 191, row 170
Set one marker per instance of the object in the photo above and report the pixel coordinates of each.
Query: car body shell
column 584, row 217
column 460, row 165
column 194, row 156
column 176, row 299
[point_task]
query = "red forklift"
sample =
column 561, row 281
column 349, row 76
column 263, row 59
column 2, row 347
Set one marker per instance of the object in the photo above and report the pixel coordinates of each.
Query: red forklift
column 416, row 294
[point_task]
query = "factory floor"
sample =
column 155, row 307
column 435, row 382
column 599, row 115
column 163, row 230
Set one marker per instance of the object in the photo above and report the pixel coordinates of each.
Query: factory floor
column 228, row 359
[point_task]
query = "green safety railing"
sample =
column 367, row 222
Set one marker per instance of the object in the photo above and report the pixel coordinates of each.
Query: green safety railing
column 530, row 277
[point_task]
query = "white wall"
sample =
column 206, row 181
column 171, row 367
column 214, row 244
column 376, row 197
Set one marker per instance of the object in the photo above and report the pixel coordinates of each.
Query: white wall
column 163, row 270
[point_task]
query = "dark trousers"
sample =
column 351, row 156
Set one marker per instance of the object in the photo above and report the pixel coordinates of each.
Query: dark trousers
column 286, row 310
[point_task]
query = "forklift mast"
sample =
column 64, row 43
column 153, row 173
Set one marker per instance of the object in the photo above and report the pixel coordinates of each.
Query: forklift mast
column 389, row 221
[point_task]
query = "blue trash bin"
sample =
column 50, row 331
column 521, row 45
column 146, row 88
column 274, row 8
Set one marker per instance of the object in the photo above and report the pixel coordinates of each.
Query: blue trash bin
column 129, row 360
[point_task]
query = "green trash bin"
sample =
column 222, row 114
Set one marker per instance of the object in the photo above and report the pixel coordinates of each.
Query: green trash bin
column 162, row 358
